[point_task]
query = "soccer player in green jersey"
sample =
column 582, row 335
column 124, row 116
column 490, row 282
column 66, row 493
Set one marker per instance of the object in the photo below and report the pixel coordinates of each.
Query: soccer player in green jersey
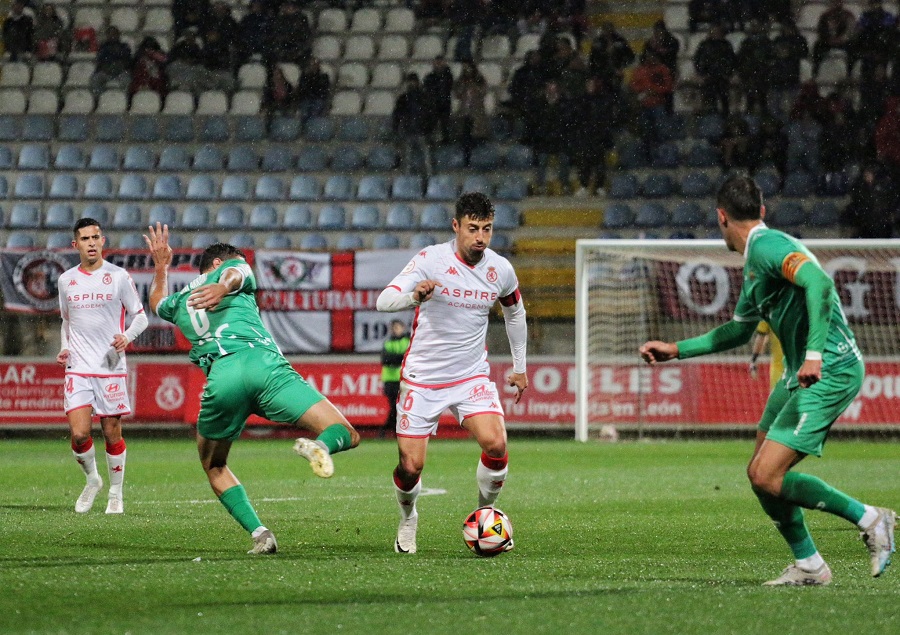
column 246, row 374
column 784, row 285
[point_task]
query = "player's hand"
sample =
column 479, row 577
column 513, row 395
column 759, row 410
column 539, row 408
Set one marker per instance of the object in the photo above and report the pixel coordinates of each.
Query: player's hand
column 207, row 297
column 753, row 370
column 425, row 289
column 810, row 372
column 63, row 357
column 655, row 351
column 158, row 243
column 120, row 343
column 520, row 381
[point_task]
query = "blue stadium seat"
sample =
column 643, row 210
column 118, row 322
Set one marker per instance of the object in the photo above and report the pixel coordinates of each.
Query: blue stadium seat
column 799, row 184
column 672, row 127
column 485, row 158
column 631, row 154
column 354, row 129
column 68, row 158
column 769, row 183
column 37, row 128
column 242, row 241
column 665, row 156
column 681, row 234
column 178, row 128
column 512, row 187
column 304, row 188
column 104, row 159
column 687, row 214
column 195, row 217
column 338, row 188
column 162, row 214
column 347, row 158
column 787, row 214
column 230, row 217
column 34, row 157
column 349, row 242
column 174, row 159
column 421, row 240
column 501, row 243
column 400, row 216
column 144, row 129
column 385, row 241
column 29, row 186
column 319, row 129
column 519, row 157
column 297, row 217
column 249, row 128
column 4, row 187
column 617, row 216
column 824, row 214
column 24, row 216
column 408, row 188
column 435, row 216
column 235, row 188
column 64, row 186
column 651, row 215
column 623, row 186
column 20, row 240
column 506, row 216
column 269, row 188
column 365, row 217
column 109, row 128
column 372, row 188
column 264, row 217
column 202, row 240
column 381, row 158
column 59, row 240
column 284, row 129
column 477, row 183
column 214, row 129
column 207, row 159
column 6, row 158
column 60, row 216
column 242, row 159
column 312, row 159
column 441, row 187
column 10, row 128
column 448, row 158
column 128, row 216
column 73, row 128
column 314, row 242
column 133, row 240
column 201, row 187
column 98, row 212
column 710, row 127
column 658, row 185
column 332, row 217
column 168, row 188
column 277, row 159
column 278, row 241
column 702, row 155
column 696, row 184
column 139, row 158
column 133, row 187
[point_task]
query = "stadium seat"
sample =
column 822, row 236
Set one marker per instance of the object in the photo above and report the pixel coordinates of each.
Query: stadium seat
column 29, row 186
column 68, row 157
column 13, row 102
column 297, row 217
column 278, row 241
column 696, row 184
column 15, row 75
column 485, row 158
column 346, row 102
column 373, row 188
column 34, row 157
column 127, row 216
column 769, row 183
column 6, row 158
column 109, row 128
column 168, row 188
column 20, row 240
column 96, row 211
column 72, row 128
column 347, row 158
column 78, row 102
column 230, row 217
column 657, row 186
column 242, row 159
column 64, row 186
column 332, row 20
column 59, row 240
column 651, row 215
column 98, row 186
column 37, row 128
column 441, row 187
column 242, row 241
column 162, row 214
column 284, row 129
column 349, row 242
column 379, row 103
column 385, row 241
column 264, row 217
column 365, row 217
column 235, row 188
column 618, row 216
column 506, row 216
column 304, row 188
column 399, row 20
column 133, row 187
column 319, row 130
column 359, row 48
column 353, row 129
column 252, row 76
column 24, row 216
column 104, row 159
column 407, row 188
column 245, row 103
column 327, row 48
column 623, row 186
column 332, row 217
column 139, row 158
column 311, row 159
column 314, row 242
column 421, row 240
column 43, row 102
column 702, row 155
column 178, row 128
column 687, row 214
column 249, row 129
column 501, row 243
column 386, row 75
column 381, row 158
column 144, row 129
column 201, row 187
column 665, row 155
column 353, row 75
column 824, row 214
column 277, row 159
column 799, row 184
column 426, row 47
column 787, row 214
column 60, row 216
column 195, row 217
column 202, row 240
column 511, row 187
column 214, row 130
column 435, row 216
column 449, row 157
column 338, row 188
column 174, row 159
column 269, row 188
column 631, row 154
column 710, row 127
column 400, row 216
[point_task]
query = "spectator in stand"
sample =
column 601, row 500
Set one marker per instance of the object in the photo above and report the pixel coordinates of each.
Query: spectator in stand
column 874, row 40
column 651, row 83
column 470, row 89
column 664, row 45
column 874, row 89
column 532, row 23
column 768, row 147
column 219, row 48
column 52, row 39
column 834, row 31
column 278, row 96
column 873, row 208
column 753, row 59
column 465, row 16
column 554, row 131
column 291, row 35
column 708, row 12
column 810, row 100
column 185, row 70
column 715, row 62
column 254, row 33
column 526, row 84
column 596, row 114
column 313, row 91
column 499, row 17
column 610, row 55
column 836, row 150
column 438, row 86
column 113, row 63
column 788, row 48
column 149, row 68
column 188, row 14
column 573, row 78
column 735, row 143
column 887, row 137
column 18, row 31
column 803, row 134
column 430, row 13
column 412, row 123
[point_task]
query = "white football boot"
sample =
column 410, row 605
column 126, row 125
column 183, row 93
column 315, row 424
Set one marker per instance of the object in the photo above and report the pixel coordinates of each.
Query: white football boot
column 317, row 454
column 406, row 535
column 264, row 543
column 879, row 539
column 88, row 494
column 795, row 576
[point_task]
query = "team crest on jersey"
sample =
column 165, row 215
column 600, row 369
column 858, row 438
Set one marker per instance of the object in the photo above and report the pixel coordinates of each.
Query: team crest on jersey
column 107, row 278
column 491, row 275
column 409, row 267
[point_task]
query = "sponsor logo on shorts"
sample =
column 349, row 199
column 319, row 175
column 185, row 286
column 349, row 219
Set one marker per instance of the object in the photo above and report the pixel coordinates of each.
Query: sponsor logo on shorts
column 481, row 392
column 491, row 275
column 403, row 423
column 111, row 388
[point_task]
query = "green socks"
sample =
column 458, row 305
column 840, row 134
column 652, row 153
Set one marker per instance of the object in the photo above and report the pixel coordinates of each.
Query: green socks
column 788, row 519
column 336, row 438
column 814, row 493
column 238, row 505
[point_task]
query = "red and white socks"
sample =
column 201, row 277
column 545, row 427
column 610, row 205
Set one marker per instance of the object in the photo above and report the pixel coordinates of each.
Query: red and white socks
column 115, row 462
column 491, row 475
column 407, row 494
column 85, row 455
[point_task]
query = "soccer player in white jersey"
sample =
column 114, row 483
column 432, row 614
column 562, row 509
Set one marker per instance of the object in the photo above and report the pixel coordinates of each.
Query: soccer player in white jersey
column 94, row 298
column 453, row 287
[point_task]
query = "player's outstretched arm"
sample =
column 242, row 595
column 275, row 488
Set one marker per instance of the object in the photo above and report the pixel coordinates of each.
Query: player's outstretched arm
column 161, row 252
column 655, row 351
column 393, row 299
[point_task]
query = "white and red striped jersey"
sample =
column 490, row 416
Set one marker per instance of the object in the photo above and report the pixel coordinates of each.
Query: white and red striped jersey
column 94, row 305
column 449, row 331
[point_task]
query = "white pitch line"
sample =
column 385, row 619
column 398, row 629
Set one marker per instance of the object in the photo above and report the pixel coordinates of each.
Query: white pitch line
column 428, row 491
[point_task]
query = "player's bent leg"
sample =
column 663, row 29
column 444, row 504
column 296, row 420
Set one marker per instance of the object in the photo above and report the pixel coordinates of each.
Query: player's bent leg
column 493, row 466
column 333, row 434
column 407, row 487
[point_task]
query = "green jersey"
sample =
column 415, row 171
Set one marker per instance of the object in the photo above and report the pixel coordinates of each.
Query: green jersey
column 769, row 292
column 232, row 326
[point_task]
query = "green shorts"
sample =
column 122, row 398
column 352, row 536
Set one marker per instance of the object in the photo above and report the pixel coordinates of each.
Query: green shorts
column 251, row 381
column 800, row 418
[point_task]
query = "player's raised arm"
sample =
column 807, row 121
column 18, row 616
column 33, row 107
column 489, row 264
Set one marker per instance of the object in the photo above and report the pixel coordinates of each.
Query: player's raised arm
column 161, row 252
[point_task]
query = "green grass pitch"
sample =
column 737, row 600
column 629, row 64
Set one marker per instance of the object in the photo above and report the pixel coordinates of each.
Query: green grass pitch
column 627, row 538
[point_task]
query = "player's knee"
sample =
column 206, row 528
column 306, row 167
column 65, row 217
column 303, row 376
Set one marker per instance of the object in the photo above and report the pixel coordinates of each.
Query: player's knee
column 409, row 469
column 354, row 437
column 763, row 480
column 495, row 447
column 79, row 439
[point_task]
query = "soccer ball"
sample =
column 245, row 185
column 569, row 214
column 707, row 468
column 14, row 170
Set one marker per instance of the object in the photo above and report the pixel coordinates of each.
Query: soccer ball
column 488, row 532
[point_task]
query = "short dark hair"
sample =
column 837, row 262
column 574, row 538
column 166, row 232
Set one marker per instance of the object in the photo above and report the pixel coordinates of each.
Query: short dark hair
column 85, row 222
column 475, row 205
column 741, row 198
column 218, row 250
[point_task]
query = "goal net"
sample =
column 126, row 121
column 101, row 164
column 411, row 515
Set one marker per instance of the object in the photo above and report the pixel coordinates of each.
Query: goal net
column 631, row 291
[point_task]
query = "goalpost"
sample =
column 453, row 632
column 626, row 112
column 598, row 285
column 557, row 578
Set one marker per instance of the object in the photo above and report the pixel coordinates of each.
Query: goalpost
column 631, row 291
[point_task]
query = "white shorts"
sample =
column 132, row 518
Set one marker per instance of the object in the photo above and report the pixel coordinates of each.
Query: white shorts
column 419, row 409
column 106, row 395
